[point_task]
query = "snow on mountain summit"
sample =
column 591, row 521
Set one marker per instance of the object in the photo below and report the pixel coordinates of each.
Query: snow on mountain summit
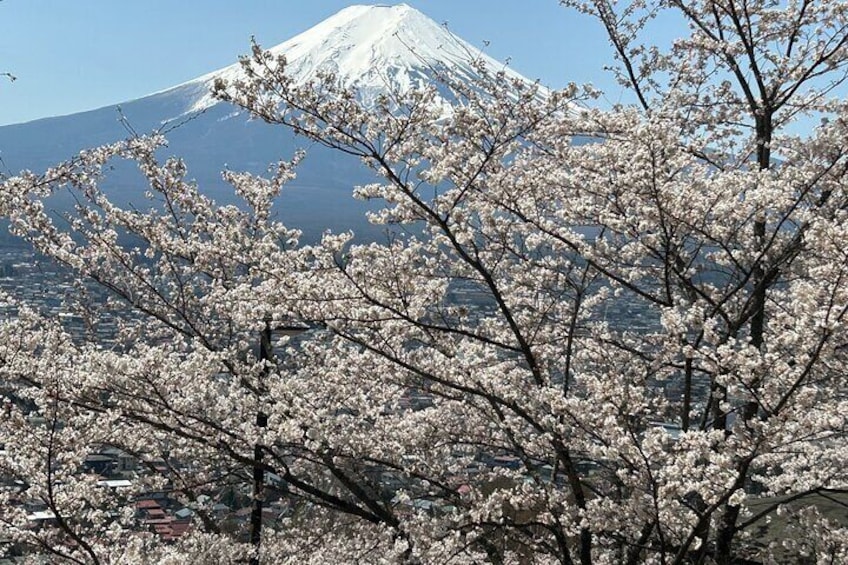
column 370, row 48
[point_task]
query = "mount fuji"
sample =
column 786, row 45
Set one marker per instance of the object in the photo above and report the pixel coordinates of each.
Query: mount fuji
column 373, row 49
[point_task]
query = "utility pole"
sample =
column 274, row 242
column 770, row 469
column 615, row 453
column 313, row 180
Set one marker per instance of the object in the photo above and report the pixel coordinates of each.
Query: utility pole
column 258, row 448
column 265, row 355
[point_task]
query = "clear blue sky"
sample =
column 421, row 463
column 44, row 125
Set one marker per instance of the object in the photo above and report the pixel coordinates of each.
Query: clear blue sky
column 74, row 55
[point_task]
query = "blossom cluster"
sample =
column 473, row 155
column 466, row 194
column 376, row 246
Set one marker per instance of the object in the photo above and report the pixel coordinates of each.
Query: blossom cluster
column 463, row 393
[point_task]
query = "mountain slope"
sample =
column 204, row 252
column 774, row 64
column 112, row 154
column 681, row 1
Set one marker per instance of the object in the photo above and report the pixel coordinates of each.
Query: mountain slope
column 374, row 49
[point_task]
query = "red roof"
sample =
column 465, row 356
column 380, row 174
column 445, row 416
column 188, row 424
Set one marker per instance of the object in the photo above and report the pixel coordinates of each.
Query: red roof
column 157, row 521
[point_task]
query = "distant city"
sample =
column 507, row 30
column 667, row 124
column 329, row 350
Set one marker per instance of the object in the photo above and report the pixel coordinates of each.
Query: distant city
column 49, row 289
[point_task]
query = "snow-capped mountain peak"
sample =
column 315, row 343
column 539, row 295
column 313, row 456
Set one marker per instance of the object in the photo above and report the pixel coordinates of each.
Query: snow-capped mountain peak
column 373, row 49
column 370, row 48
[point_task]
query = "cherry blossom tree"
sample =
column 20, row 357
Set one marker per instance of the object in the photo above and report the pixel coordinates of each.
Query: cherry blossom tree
column 591, row 337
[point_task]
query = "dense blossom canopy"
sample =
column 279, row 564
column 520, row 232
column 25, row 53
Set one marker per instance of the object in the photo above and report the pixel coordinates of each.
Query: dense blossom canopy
column 589, row 336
